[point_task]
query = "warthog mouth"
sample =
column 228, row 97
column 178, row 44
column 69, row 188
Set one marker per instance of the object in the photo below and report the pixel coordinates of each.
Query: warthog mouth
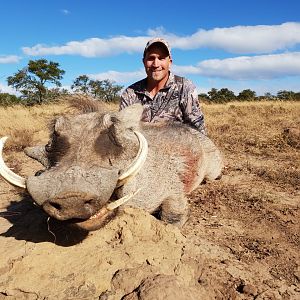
column 93, row 223
column 102, row 217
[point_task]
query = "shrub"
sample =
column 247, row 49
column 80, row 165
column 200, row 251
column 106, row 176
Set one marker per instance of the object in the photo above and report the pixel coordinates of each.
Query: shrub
column 9, row 100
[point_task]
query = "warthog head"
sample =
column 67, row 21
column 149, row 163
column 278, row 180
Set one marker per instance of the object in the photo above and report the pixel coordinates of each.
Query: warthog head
column 87, row 158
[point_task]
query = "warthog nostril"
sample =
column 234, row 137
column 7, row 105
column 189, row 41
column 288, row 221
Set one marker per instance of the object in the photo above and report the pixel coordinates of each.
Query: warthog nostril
column 71, row 206
column 55, row 205
column 88, row 206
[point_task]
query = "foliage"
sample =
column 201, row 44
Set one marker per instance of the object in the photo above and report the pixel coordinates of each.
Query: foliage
column 223, row 95
column 8, row 99
column 31, row 80
column 81, row 84
column 246, row 95
column 202, row 97
column 104, row 90
column 288, row 96
column 269, row 96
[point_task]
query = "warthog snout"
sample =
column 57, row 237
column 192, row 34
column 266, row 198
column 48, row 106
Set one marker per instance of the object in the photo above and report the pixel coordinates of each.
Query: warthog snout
column 71, row 206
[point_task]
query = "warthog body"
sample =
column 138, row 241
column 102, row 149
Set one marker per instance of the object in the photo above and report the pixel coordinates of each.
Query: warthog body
column 88, row 152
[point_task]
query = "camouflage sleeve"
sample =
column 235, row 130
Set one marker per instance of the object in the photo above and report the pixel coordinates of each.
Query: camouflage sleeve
column 128, row 97
column 192, row 113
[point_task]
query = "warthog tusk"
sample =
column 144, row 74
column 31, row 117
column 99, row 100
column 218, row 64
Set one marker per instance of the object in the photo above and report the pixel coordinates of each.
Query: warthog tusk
column 113, row 205
column 6, row 172
column 137, row 163
column 121, row 201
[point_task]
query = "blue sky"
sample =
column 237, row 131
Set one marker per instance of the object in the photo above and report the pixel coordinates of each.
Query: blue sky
column 234, row 44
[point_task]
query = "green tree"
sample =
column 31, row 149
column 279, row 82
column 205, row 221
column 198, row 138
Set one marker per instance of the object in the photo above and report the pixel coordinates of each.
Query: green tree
column 104, row 90
column 268, row 96
column 213, row 95
column 81, row 84
column 297, row 96
column 223, row 95
column 8, row 99
column 286, row 95
column 97, row 89
column 56, row 94
column 111, row 90
column 246, row 95
column 31, row 81
column 203, row 97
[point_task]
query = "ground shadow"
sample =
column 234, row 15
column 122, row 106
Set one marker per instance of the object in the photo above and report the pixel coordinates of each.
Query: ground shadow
column 31, row 223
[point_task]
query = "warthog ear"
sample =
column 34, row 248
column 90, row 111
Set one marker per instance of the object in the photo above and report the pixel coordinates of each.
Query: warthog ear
column 128, row 118
column 38, row 153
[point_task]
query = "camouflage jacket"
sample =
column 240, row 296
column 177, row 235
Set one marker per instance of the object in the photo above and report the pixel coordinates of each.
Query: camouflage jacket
column 177, row 101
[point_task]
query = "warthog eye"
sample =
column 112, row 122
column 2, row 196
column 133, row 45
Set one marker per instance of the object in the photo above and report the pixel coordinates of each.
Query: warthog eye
column 48, row 146
column 57, row 148
column 38, row 173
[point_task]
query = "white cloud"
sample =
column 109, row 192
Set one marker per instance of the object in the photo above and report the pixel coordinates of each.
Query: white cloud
column 237, row 39
column 264, row 67
column 7, row 89
column 242, row 39
column 247, row 67
column 92, row 47
column 9, row 59
column 238, row 68
column 119, row 77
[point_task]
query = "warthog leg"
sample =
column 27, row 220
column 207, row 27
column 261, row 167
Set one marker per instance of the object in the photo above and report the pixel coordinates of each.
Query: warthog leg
column 174, row 211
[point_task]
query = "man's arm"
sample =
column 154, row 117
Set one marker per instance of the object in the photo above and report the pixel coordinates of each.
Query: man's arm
column 192, row 113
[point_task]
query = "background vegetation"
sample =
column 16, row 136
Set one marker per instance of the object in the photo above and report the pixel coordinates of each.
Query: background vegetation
column 33, row 84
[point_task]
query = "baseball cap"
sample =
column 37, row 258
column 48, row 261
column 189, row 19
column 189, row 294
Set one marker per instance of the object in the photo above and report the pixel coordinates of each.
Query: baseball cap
column 157, row 40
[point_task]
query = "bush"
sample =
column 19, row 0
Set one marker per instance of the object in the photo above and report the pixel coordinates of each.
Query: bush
column 9, row 100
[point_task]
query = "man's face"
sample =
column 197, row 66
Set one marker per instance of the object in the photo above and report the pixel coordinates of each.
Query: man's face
column 157, row 62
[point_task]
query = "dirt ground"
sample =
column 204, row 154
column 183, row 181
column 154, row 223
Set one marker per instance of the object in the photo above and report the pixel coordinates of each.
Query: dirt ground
column 242, row 239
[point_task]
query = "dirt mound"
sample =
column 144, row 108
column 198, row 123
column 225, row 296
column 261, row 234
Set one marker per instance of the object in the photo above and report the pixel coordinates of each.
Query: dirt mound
column 134, row 254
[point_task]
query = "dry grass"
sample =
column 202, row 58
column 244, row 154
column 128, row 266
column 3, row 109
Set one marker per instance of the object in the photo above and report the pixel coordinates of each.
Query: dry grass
column 255, row 137
column 26, row 126
column 259, row 138
column 256, row 128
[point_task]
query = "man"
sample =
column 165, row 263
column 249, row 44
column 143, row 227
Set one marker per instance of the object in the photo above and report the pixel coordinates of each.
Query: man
column 165, row 97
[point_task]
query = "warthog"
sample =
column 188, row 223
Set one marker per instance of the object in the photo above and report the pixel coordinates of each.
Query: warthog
column 96, row 161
